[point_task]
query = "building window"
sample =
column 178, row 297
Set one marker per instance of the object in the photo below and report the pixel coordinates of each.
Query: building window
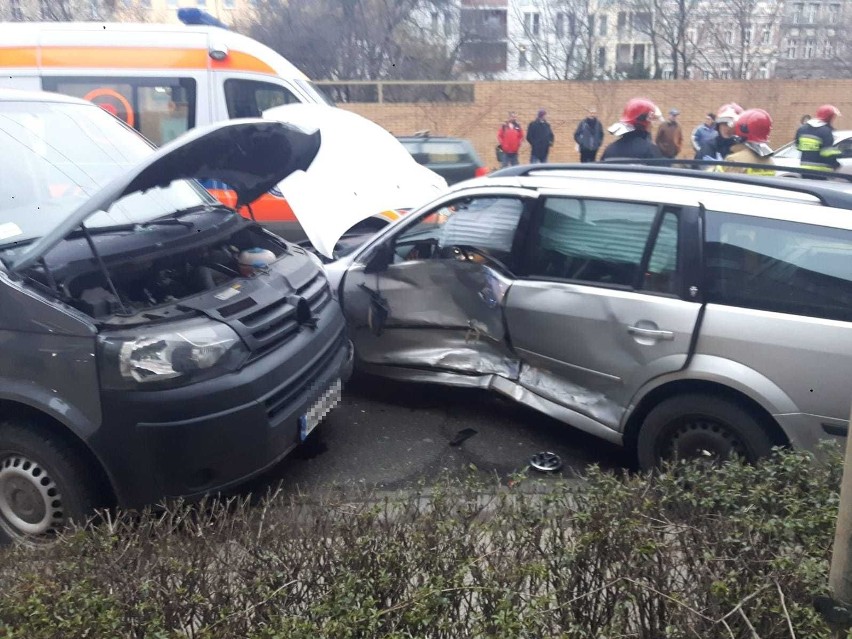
column 602, row 25
column 523, row 62
column 560, row 25
column 565, row 23
column 798, row 10
column 810, row 48
column 622, row 55
column 532, row 23
column 692, row 35
column 834, row 13
column 792, row 46
column 668, row 74
column 623, row 21
column 763, row 73
column 810, row 13
column 726, row 73
column 766, row 38
column 601, row 57
column 642, row 22
column 828, row 49
column 748, row 35
column 729, row 36
column 448, row 23
column 706, row 75
column 17, row 13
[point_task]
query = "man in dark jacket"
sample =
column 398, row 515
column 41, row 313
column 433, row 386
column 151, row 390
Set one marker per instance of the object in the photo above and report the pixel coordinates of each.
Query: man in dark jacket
column 634, row 127
column 589, row 136
column 540, row 137
column 815, row 139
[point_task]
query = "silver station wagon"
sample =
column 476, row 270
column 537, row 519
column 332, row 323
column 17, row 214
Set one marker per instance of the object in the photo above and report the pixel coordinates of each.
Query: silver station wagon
column 677, row 312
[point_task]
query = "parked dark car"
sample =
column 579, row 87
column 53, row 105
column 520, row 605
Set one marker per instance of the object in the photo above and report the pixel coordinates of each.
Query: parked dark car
column 454, row 159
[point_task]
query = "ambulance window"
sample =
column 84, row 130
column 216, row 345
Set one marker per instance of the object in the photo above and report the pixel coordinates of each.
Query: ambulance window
column 159, row 108
column 250, row 98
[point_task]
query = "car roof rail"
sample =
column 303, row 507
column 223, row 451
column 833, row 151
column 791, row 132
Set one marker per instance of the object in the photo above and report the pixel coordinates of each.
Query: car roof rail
column 826, row 194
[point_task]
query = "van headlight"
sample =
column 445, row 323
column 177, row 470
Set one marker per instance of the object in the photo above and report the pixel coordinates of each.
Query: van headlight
column 177, row 355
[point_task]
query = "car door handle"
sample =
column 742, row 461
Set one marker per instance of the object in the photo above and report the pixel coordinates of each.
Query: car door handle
column 651, row 333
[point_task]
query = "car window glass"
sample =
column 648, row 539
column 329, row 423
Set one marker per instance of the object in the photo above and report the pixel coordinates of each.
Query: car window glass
column 662, row 266
column 250, row 98
column 159, row 108
column 597, row 241
column 779, row 266
column 445, row 152
column 486, row 224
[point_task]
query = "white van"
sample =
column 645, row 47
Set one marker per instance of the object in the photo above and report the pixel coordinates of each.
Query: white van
column 160, row 79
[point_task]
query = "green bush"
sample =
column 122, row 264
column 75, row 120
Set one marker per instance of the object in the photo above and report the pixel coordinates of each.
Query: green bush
column 735, row 551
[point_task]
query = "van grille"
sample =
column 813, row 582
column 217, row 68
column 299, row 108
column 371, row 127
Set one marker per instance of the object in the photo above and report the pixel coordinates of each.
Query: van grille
column 284, row 396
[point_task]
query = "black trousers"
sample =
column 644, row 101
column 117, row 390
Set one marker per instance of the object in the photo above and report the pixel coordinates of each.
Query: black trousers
column 587, row 155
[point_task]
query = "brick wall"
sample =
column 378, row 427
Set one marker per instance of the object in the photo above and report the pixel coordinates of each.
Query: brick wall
column 566, row 102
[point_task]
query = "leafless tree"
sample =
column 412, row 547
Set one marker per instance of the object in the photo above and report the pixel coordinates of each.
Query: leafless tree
column 355, row 39
column 667, row 24
column 75, row 10
column 739, row 36
column 557, row 39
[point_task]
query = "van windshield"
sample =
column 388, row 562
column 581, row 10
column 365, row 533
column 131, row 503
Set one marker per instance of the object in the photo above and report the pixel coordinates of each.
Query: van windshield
column 56, row 155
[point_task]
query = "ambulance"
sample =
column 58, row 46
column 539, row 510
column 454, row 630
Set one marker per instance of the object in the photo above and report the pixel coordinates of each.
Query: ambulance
column 162, row 80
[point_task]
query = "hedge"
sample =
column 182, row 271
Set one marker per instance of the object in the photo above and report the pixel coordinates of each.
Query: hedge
column 730, row 551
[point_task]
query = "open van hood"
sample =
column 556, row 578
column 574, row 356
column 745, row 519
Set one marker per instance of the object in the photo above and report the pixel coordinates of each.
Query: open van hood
column 251, row 156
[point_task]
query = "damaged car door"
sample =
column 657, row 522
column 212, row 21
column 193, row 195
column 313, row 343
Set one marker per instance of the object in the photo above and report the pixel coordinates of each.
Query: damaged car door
column 607, row 301
column 426, row 300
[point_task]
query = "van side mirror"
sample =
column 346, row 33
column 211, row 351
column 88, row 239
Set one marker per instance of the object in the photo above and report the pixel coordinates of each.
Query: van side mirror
column 381, row 258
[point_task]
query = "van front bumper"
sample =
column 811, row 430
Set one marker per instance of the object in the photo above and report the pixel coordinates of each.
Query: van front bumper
column 210, row 436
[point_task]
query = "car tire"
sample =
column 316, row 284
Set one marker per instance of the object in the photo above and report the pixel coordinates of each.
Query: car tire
column 698, row 426
column 44, row 483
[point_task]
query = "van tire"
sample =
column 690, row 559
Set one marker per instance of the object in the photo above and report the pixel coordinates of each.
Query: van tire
column 700, row 426
column 44, row 483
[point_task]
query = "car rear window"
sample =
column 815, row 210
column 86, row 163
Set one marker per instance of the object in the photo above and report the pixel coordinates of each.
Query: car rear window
column 779, row 266
column 441, row 152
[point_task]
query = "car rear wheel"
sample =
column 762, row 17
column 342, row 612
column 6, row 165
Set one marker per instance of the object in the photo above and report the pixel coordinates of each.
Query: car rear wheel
column 44, row 485
column 700, row 427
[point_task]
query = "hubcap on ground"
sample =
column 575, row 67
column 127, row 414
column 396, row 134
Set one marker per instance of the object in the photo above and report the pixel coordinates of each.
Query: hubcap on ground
column 30, row 503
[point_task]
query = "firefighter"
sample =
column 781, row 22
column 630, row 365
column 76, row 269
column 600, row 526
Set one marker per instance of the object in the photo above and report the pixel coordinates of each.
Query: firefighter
column 751, row 131
column 719, row 147
column 815, row 139
column 634, row 127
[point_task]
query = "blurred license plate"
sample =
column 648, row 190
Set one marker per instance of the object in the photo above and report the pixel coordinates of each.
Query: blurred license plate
column 319, row 409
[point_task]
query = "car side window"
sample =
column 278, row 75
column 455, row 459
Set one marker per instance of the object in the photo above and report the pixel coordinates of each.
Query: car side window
column 250, row 98
column 595, row 241
column 780, row 266
column 465, row 229
column 661, row 272
column 159, row 108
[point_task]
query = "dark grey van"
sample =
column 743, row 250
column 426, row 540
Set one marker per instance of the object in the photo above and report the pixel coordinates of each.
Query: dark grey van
column 154, row 342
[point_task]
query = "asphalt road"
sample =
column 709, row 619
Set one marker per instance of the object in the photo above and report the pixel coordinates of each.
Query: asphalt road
column 391, row 435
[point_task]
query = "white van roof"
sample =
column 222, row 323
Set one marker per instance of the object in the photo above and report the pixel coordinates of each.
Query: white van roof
column 112, row 44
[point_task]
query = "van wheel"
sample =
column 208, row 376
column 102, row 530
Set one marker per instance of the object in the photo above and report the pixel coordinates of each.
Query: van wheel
column 700, row 427
column 44, row 485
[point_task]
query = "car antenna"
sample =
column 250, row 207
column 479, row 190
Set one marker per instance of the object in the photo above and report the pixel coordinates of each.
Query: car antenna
column 103, row 267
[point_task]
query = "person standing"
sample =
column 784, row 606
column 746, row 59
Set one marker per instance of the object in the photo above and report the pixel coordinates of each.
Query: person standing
column 669, row 136
column 704, row 132
column 634, row 127
column 719, row 147
column 752, row 130
column 815, row 139
column 540, row 136
column 589, row 136
column 510, row 136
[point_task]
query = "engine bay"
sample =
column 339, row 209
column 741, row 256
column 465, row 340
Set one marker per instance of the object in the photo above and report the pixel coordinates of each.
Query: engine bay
column 142, row 281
